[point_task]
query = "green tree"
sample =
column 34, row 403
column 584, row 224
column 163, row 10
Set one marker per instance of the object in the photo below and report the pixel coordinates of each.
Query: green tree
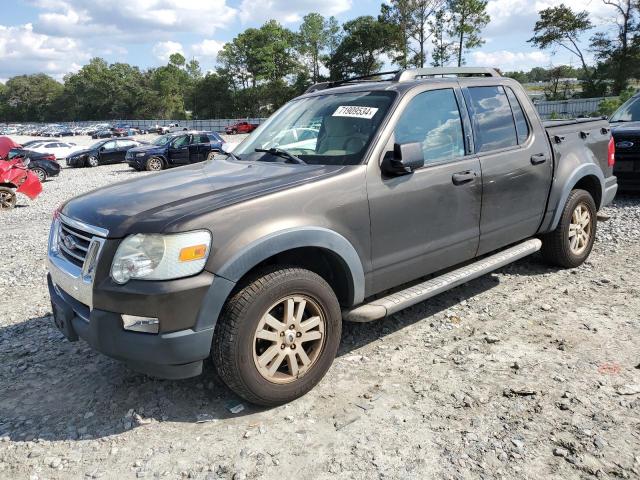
column 562, row 27
column 361, row 49
column 313, row 39
column 468, row 19
column 443, row 48
column 30, row 97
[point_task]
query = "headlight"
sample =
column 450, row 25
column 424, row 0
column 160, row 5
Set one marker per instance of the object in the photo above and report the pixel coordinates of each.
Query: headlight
column 161, row 257
column 140, row 154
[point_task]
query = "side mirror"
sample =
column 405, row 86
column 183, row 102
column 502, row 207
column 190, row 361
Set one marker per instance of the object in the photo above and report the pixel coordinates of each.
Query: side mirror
column 102, row 149
column 406, row 158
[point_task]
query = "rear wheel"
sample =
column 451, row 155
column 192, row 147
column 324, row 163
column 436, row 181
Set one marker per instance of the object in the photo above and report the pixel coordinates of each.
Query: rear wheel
column 277, row 337
column 154, row 164
column 40, row 173
column 570, row 244
column 8, row 198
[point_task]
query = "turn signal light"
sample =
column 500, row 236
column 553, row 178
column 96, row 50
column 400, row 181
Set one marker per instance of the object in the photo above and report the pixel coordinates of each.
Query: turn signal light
column 197, row 252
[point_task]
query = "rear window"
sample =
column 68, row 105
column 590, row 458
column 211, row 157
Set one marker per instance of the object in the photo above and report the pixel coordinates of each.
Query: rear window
column 495, row 126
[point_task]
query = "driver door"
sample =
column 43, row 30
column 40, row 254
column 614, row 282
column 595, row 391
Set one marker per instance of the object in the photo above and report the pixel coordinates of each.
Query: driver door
column 108, row 152
column 179, row 150
column 429, row 219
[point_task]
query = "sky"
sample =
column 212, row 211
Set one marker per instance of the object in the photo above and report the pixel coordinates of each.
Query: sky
column 59, row 36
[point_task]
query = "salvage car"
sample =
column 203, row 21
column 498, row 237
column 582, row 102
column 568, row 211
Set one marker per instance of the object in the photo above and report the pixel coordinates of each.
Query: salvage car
column 625, row 123
column 240, row 127
column 44, row 165
column 15, row 177
column 173, row 150
column 256, row 258
column 102, row 153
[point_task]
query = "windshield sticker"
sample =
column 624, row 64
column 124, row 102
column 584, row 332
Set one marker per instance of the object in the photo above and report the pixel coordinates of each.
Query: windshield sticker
column 355, row 112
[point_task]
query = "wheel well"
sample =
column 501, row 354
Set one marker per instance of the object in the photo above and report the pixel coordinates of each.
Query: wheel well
column 321, row 261
column 8, row 185
column 591, row 184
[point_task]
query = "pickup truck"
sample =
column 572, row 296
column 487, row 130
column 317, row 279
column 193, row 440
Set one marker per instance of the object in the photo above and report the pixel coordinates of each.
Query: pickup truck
column 257, row 256
column 240, row 127
column 625, row 128
column 174, row 150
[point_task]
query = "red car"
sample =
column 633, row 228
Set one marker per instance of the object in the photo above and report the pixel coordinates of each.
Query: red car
column 15, row 177
column 240, row 127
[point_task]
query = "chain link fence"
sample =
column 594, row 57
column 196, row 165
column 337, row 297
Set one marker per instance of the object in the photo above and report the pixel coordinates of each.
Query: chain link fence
column 573, row 108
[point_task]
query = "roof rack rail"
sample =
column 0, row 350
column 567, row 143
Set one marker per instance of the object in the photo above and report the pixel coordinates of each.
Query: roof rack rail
column 408, row 75
column 336, row 83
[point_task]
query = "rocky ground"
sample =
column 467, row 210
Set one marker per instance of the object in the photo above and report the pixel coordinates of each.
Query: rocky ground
column 529, row 372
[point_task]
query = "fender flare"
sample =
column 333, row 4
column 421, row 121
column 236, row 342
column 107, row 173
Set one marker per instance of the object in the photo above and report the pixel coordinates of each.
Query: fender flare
column 578, row 174
column 277, row 242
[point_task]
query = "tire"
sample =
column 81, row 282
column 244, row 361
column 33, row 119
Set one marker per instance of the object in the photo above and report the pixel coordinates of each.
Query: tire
column 154, row 164
column 211, row 155
column 239, row 344
column 40, row 173
column 8, row 198
column 92, row 161
column 570, row 244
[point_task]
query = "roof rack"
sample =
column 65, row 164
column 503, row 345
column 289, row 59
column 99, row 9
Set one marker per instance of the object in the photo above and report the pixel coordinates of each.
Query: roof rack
column 336, row 83
column 408, row 75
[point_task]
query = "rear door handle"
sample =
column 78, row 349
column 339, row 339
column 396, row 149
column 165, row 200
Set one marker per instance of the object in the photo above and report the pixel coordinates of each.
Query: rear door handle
column 538, row 158
column 461, row 178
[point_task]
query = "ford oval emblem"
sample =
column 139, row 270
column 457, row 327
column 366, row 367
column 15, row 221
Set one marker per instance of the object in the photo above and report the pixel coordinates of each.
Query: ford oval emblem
column 69, row 242
column 624, row 144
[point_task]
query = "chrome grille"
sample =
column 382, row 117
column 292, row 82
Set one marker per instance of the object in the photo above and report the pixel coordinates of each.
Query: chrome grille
column 73, row 243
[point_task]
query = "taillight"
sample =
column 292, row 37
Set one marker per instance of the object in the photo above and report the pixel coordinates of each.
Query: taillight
column 611, row 156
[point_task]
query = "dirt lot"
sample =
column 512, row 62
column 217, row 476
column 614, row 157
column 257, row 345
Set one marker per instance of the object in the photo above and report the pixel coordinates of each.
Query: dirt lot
column 530, row 372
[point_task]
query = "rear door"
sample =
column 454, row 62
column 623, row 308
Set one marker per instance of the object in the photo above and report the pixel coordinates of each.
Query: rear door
column 109, row 152
column 199, row 148
column 516, row 162
column 427, row 220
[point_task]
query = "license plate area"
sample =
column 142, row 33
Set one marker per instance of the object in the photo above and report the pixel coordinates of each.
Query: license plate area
column 624, row 166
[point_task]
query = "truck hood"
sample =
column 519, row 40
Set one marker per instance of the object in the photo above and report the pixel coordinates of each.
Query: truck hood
column 625, row 128
column 150, row 203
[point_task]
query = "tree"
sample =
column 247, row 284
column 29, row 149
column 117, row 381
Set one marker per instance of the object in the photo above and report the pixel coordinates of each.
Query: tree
column 562, row 27
column 443, row 48
column 468, row 19
column 360, row 51
column 619, row 57
column 30, row 97
column 313, row 39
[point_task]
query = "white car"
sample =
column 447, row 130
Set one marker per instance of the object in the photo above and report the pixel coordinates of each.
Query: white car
column 60, row 149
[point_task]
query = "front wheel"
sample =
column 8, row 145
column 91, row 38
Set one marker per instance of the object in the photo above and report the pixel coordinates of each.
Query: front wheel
column 570, row 244
column 278, row 336
column 154, row 164
column 92, row 161
column 8, row 198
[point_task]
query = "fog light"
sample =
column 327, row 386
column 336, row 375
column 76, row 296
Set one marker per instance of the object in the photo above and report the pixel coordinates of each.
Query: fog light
column 141, row 324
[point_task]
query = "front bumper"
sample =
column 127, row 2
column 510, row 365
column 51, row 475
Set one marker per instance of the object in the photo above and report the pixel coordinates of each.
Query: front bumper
column 166, row 355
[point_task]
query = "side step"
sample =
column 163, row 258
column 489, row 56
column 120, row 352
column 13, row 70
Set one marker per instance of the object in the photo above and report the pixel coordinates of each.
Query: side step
column 397, row 301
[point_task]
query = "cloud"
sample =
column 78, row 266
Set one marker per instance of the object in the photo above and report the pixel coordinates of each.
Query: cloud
column 24, row 51
column 163, row 50
column 509, row 61
column 286, row 11
column 207, row 48
column 134, row 18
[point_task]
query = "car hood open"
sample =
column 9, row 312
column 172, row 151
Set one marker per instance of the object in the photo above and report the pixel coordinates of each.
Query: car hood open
column 152, row 202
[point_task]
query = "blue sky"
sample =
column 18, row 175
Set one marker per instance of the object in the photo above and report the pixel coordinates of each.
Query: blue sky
column 59, row 36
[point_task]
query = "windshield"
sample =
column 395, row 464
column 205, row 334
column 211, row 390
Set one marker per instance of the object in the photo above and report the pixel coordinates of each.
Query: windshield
column 163, row 140
column 332, row 129
column 628, row 112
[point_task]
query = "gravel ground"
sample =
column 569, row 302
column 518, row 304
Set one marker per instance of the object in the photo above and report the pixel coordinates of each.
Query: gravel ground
column 530, row 372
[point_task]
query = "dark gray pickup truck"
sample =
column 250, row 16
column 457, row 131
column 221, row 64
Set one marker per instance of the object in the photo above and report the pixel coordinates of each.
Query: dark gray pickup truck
column 352, row 202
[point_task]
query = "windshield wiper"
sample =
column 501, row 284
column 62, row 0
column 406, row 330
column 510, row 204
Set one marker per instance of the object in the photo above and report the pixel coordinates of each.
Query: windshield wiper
column 230, row 154
column 278, row 152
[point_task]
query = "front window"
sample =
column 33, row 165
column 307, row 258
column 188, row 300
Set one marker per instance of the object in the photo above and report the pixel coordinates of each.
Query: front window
column 331, row 129
column 628, row 112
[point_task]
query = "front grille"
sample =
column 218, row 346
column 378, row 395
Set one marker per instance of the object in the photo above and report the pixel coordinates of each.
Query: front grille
column 73, row 243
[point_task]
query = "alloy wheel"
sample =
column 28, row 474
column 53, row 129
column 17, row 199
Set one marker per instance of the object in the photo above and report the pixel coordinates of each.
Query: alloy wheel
column 580, row 229
column 7, row 199
column 289, row 339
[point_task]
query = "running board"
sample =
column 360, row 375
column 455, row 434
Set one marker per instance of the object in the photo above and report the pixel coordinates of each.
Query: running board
column 397, row 301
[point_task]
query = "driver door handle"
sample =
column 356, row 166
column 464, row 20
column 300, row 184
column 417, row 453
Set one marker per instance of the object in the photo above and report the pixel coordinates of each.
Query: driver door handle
column 461, row 178
column 538, row 158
